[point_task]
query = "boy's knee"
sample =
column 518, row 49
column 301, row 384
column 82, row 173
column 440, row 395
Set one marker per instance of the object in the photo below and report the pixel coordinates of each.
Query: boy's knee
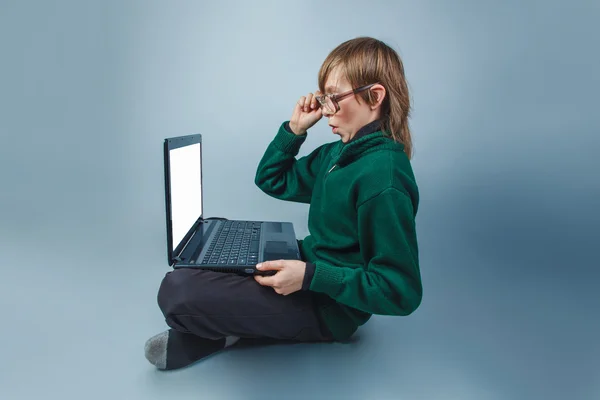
column 172, row 292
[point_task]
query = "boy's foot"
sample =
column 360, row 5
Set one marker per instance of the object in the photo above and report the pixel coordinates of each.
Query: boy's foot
column 172, row 349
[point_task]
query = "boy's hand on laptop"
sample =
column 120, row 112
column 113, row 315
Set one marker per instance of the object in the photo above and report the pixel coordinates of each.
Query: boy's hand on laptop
column 288, row 278
column 306, row 113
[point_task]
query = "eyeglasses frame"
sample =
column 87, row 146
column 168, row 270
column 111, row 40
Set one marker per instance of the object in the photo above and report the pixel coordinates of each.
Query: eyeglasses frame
column 335, row 98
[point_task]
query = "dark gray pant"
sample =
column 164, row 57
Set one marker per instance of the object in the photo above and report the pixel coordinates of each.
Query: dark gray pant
column 213, row 305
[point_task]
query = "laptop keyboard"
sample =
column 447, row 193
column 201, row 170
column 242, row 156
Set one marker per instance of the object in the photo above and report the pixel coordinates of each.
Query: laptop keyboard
column 235, row 243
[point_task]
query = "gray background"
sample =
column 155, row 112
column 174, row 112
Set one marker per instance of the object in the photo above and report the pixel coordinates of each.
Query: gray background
column 506, row 133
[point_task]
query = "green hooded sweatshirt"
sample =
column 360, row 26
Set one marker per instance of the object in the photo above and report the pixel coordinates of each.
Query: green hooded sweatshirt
column 361, row 251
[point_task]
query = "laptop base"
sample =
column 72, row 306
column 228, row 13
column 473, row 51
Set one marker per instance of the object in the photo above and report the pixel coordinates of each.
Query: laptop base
column 236, row 246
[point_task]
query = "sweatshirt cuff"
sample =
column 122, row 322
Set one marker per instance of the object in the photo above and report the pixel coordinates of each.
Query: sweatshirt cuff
column 287, row 141
column 327, row 279
column 308, row 276
column 286, row 126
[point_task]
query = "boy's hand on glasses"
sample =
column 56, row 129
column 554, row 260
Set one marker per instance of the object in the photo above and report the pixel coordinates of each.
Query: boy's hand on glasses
column 306, row 113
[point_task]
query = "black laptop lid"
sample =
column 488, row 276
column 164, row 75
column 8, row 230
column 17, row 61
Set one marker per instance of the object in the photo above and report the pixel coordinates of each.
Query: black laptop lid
column 183, row 190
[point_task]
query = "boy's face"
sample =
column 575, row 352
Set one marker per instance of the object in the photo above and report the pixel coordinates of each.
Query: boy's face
column 353, row 113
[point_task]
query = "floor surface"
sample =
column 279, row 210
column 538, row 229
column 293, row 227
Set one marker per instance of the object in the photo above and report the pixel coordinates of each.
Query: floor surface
column 76, row 329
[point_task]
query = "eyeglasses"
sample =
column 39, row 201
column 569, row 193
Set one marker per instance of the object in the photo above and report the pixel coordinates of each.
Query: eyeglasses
column 330, row 102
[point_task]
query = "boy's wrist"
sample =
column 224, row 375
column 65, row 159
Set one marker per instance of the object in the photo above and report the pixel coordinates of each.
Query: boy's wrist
column 296, row 130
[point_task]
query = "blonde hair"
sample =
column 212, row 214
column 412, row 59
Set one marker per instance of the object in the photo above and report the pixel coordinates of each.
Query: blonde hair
column 366, row 60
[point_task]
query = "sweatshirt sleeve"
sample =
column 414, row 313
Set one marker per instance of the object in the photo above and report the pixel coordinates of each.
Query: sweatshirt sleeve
column 390, row 282
column 282, row 176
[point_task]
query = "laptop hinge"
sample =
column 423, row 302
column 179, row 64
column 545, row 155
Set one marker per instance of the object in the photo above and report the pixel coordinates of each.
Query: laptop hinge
column 175, row 260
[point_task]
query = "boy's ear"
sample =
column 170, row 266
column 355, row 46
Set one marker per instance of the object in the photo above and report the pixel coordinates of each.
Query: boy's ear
column 378, row 94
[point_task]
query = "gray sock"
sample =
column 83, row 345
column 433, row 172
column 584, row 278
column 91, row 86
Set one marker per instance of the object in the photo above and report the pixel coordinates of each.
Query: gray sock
column 156, row 350
column 172, row 349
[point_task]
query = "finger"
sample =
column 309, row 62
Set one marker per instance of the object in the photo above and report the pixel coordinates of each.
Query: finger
column 307, row 101
column 264, row 280
column 267, row 281
column 315, row 103
column 301, row 102
column 297, row 110
column 270, row 265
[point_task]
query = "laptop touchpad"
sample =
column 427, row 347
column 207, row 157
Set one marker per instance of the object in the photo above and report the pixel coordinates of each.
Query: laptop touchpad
column 277, row 250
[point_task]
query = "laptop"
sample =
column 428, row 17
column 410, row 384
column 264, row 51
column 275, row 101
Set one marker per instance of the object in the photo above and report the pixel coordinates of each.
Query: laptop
column 216, row 244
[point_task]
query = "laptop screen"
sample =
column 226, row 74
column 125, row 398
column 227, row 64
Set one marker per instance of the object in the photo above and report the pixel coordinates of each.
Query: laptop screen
column 186, row 189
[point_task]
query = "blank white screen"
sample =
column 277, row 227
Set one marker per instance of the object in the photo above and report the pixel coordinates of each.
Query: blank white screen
column 186, row 190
